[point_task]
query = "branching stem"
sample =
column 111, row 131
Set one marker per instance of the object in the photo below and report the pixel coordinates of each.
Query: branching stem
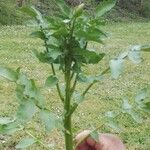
column 52, row 66
column 57, row 85
column 75, row 105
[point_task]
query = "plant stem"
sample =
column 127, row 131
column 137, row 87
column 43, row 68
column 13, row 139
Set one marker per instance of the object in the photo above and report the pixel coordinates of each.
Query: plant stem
column 74, row 85
column 52, row 66
column 87, row 89
column 57, row 85
column 67, row 103
column 75, row 105
column 67, row 106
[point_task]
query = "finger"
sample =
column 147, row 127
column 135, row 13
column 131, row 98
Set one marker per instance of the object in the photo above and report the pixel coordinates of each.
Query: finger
column 98, row 146
column 91, row 142
column 81, row 146
column 84, row 147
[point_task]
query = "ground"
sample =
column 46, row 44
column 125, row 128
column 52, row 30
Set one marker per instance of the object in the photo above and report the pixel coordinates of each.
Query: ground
column 16, row 51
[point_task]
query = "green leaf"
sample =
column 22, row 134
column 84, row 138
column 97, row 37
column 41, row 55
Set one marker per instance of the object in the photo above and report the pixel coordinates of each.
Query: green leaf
column 26, row 142
column 5, row 120
column 78, row 11
column 30, row 89
column 26, row 89
column 38, row 34
column 142, row 94
column 88, row 57
column 20, row 93
column 134, row 54
column 126, row 106
column 29, row 11
column 88, row 79
column 26, row 111
column 90, row 34
column 145, row 48
column 63, row 7
column 116, row 66
column 38, row 15
column 8, row 74
column 49, row 120
column 104, row 7
column 42, row 57
column 83, row 78
column 10, row 128
column 135, row 116
column 51, row 81
column 147, row 106
column 54, row 54
column 95, row 135
column 78, row 98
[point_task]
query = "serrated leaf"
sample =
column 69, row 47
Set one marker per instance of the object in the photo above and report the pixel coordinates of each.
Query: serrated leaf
column 116, row 66
column 141, row 95
column 26, row 111
column 49, row 120
column 8, row 74
column 5, row 120
column 135, row 55
column 104, row 7
column 26, row 142
column 51, row 81
column 95, row 135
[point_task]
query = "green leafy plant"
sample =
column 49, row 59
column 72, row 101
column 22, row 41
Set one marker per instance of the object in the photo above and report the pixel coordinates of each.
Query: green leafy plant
column 66, row 38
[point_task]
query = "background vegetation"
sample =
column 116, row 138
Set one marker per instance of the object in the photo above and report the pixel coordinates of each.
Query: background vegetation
column 124, row 11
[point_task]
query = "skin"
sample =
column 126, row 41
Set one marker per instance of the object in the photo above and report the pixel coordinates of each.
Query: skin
column 106, row 142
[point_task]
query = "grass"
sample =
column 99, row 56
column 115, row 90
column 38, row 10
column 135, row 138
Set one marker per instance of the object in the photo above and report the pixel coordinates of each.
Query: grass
column 16, row 51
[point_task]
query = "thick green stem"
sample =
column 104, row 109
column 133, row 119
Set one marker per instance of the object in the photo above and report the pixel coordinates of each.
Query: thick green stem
column 67, row 106
column 67, row 103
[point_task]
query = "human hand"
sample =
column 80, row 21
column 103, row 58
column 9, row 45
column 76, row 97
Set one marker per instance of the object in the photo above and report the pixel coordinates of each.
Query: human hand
column 105, row 142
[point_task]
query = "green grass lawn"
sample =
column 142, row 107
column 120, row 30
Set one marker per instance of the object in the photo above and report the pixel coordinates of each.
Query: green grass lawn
column 16, row 51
